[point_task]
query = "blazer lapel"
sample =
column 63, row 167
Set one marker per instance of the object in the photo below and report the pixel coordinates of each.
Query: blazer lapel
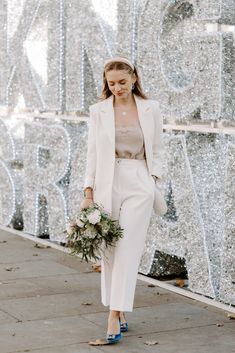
column 108, row 120
column 143, row 106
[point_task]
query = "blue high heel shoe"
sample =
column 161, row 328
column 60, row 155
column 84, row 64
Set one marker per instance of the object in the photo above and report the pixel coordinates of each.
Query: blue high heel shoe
column 112, row 338
column 124, row 327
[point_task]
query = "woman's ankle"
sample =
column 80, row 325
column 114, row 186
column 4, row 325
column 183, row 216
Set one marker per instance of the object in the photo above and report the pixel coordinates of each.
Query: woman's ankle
column 122, row 316
column 113, row 322
column 113, row 314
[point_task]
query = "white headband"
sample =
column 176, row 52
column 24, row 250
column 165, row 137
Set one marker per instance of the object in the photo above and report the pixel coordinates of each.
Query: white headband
column 120, row 59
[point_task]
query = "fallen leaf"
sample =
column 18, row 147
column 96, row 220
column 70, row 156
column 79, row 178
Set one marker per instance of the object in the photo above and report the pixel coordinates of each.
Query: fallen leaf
column 41, row 246
column 98, row 342
column 180, row 283
column 5, row 282
column 11, row 268
column 96, row 268
column 220, row 324
column 231, row 316
column 151, row 343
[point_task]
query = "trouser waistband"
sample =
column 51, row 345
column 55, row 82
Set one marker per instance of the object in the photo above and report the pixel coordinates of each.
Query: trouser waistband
column 130, row 160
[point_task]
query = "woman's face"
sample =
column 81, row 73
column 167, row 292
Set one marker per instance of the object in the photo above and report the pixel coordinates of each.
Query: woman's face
column 120, row 82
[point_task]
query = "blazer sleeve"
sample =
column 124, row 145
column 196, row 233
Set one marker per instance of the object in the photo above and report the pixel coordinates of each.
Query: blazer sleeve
column 158, row 146
column 91, row 151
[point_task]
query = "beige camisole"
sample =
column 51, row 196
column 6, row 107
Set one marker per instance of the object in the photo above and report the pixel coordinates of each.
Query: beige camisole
column 129, row 142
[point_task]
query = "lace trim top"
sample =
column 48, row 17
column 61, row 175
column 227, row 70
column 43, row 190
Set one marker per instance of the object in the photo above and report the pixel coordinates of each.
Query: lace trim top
column 129, row 142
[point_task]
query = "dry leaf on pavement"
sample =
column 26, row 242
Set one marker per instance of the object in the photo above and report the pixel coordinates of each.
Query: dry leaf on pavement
column 98, row 342
column 180, row 283
column 219, row 324
column 96, row 268
column 151, row 343
column 40, row 246
column 231, row 316
column 11, row 268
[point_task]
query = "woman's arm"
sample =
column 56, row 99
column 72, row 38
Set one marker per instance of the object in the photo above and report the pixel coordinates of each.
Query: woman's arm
column 91, row 154
column 90, row 162
column 158, row 146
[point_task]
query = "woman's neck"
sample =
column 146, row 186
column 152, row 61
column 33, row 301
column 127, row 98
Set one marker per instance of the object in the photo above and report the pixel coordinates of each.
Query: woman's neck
column 124, row 101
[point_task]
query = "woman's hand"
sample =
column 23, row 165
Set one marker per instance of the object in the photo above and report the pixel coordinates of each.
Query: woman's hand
column 88, row 198
column 155, row 178
column 86, row 202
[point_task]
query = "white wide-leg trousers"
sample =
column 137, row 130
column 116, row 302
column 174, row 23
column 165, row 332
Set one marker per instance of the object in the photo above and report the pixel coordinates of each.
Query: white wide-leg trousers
column 132, row 204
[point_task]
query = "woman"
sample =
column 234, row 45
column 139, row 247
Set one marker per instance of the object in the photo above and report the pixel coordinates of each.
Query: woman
column 124, row 161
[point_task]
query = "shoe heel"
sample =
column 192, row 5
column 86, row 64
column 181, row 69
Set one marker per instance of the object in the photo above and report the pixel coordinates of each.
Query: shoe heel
column 124, row 327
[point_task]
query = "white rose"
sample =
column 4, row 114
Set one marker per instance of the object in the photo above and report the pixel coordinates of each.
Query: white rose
column 89, row 234
column 94, row 217
column 79, row 223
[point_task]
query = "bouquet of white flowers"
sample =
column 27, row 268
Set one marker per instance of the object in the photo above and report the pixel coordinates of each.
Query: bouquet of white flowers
column 91, row 232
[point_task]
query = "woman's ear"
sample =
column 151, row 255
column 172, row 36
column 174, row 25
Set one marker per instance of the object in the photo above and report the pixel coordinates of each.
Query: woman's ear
column 134, row 78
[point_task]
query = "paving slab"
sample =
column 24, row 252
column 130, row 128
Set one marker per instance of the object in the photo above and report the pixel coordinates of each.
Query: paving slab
column 67, row 304
column 58, row 284
column 13, row 251
column 43, row 309
column 34, row 268
column 213, row 339
column 46, row 333
column 22, row 288
column 68, row 348
column 165, row 317
column 6, row 318
column 52, row 306
column 148, row 296
column 77, row 348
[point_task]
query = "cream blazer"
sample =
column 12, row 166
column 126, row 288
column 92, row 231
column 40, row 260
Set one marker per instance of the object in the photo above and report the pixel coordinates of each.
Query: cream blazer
column 101, row 147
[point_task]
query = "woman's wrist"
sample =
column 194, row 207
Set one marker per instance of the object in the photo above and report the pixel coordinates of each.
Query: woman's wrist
column 88, row 193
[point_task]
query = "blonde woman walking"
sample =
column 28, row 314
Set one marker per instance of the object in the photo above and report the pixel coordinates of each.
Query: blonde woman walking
column 124, row 161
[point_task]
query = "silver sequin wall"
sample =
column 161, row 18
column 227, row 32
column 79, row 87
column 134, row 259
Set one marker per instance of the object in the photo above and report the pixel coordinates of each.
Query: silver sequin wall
column 51, row 60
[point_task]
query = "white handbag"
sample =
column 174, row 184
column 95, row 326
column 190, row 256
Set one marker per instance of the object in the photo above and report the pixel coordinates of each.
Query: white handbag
column 159, row 204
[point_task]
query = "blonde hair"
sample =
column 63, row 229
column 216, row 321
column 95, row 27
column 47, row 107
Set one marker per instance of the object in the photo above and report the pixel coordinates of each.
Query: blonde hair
column 118, row 65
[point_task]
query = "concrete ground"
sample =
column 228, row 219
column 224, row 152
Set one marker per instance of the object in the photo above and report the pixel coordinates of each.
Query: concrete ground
column 50, row 303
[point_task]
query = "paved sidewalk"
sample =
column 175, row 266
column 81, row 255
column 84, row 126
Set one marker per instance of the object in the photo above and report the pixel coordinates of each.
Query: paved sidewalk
column 50, row 303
